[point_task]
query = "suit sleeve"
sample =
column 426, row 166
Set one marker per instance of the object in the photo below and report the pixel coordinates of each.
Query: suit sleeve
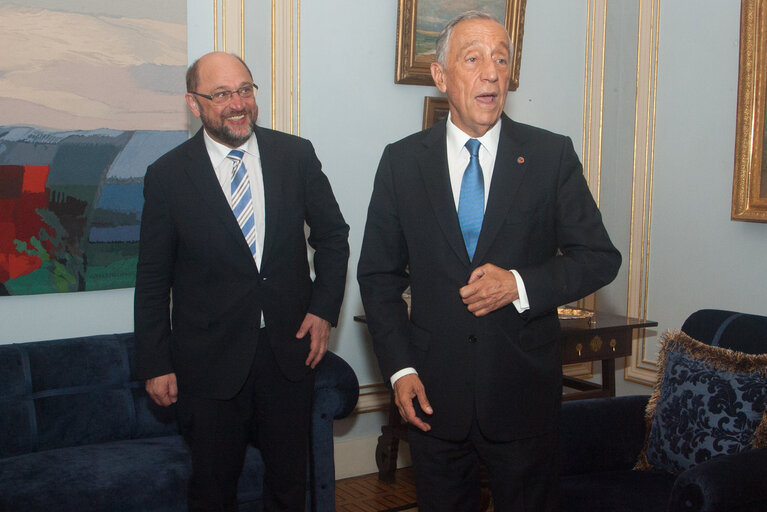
column 153, row 281
column 328, row 236
column 382, row 275
column 586, row 259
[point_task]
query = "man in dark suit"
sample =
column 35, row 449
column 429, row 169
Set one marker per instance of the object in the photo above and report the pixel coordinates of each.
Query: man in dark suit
column 476, row 366
column 247, row 325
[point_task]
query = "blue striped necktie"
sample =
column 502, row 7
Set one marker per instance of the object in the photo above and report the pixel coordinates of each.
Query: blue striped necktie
column 242, row 200
column 471, row 202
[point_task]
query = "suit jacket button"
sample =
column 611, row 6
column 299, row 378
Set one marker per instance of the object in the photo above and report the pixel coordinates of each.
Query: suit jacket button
column 472, row 339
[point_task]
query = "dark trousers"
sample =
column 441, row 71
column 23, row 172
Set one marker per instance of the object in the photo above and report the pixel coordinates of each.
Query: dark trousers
column 271, row 412
column 523, row 474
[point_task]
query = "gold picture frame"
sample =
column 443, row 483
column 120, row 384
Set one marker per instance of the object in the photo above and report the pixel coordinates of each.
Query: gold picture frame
column 415, row 42
column 434, row 110
column 749, row 185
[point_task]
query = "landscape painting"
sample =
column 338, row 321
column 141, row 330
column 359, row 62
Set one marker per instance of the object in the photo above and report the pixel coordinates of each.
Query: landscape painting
column 91, row 93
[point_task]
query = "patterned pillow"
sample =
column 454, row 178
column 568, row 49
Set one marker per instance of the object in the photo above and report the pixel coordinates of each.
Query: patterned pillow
column 708, row 401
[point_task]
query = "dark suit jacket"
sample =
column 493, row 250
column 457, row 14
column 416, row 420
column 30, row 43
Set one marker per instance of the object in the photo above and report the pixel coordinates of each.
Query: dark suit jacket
column 540, row 220
column 192, row 245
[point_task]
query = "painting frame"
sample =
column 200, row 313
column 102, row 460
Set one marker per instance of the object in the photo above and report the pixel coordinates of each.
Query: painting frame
column 435, row 108
column 749, row 188
column 414, row 69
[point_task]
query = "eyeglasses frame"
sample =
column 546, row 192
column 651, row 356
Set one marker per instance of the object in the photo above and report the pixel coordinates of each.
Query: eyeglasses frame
column 230, row 94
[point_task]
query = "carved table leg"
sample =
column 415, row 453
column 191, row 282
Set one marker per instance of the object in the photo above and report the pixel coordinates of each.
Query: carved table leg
column 386, row 455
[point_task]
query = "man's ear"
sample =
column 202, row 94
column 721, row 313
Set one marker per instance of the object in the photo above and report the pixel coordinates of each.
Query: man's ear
column 191, row 102
column 438, row 74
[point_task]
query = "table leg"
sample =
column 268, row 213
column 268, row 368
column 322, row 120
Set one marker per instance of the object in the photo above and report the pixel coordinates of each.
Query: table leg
column 608, row 376
column 387, row 448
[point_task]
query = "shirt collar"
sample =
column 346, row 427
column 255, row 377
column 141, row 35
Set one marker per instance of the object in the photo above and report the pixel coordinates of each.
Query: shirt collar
column 218, row 152
column 456, row 138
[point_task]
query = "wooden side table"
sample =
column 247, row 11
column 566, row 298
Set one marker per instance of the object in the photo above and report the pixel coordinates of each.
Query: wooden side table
column 602, row 337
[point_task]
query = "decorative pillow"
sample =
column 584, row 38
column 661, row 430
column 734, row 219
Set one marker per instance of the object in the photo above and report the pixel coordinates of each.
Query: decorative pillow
column 708, row 401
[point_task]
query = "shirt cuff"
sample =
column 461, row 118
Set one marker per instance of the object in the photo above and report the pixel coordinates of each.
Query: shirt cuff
column 522, row 304
column 405, row 371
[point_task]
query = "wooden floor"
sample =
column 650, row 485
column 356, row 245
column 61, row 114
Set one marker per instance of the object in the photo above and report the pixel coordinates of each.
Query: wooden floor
column 368, row 494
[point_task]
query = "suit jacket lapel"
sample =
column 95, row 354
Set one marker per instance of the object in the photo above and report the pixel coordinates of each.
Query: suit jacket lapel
column 507, row 177
column 202, row 174
column 433, row 165
column 270, row 169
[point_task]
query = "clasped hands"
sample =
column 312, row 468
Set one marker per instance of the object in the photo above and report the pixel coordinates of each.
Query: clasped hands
column 163, row 389
column 489, row 288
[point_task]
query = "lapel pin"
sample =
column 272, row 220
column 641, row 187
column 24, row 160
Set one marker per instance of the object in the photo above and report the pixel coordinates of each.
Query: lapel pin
column 521, row 160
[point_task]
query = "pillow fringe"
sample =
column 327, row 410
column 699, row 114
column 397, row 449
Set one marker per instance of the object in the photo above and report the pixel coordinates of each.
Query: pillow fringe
column 719, row 358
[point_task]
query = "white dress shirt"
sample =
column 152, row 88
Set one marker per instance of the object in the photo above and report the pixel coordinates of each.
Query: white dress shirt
column 457, row 159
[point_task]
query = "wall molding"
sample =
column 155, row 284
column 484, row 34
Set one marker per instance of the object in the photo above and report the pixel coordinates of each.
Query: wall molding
column 640, row 366
column 593, row 115
column 373, row 397
column 286, row 66
column 229, row 26
column 357, row 457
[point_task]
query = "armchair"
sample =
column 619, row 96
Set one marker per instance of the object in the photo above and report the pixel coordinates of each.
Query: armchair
column 601, row 440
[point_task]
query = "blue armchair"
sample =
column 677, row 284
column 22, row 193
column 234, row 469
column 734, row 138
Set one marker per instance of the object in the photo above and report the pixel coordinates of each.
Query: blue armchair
column 602, row 439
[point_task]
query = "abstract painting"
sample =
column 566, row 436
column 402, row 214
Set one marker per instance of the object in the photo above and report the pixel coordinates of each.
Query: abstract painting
column 91, row 93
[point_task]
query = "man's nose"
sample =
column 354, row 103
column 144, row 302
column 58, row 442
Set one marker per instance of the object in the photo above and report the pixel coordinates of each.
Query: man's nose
column 489, row 70
column 236, row 102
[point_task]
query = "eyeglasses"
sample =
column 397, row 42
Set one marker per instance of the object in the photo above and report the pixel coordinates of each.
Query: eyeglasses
column 224, row 97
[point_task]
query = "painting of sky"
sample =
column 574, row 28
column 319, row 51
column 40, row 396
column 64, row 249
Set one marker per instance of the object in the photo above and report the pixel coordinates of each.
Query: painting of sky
column 82, row 65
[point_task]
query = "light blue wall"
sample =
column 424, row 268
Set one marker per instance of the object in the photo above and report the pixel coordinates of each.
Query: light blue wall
column 700, row 258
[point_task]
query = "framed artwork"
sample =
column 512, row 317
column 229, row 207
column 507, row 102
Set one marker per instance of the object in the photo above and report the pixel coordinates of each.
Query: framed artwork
column 419, row 22
column 749, row 187
column 434, row 110
column 82, row 119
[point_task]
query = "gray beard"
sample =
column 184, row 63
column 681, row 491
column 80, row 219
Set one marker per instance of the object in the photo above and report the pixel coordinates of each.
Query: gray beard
column 223, row 134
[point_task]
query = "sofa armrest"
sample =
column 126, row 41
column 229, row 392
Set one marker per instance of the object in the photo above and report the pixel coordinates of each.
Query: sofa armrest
column 601, row 434
column 336, row 390
column 729, row 482
column 334, row 375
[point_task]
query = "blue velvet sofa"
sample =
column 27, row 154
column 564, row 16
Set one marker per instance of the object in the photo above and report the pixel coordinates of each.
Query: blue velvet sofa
column 602, row 439
column 78, row 433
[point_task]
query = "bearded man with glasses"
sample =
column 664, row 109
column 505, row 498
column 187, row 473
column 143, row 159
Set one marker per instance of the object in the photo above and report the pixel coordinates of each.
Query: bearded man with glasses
column 222, row 233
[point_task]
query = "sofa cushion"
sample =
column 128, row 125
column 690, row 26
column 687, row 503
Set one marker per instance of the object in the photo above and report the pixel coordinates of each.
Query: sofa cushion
column 606, row 491
column 140, row 474
column 707, row 401
column 61, row 393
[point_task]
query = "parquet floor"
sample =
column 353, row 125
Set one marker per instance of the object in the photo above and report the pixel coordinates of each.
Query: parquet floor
column 368, row 494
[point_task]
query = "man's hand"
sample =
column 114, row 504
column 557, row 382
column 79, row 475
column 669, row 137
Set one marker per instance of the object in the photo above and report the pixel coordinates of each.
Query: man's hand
column 489, row 288
column 319, row 329
column 163, row 389
column 406, row 388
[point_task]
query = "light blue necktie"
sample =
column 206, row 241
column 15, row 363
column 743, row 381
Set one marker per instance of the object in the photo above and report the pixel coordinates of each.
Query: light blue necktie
column 471, row 202
column 242, row 200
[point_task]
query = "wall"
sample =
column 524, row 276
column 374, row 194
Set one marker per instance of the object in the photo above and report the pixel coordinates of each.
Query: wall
column 699, row 258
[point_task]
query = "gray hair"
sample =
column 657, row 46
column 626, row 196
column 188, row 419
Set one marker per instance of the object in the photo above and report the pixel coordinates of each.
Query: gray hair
column 443, row 40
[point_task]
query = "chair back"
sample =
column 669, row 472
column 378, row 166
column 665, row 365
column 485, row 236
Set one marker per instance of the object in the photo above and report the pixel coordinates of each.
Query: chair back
column 728, row 329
